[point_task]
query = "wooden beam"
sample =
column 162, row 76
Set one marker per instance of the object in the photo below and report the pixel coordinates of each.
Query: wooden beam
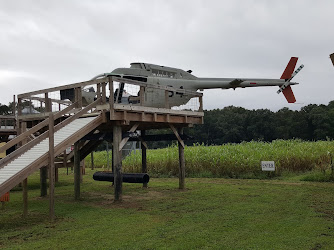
column 111, row 95
column 51, row 169
column 78, row 97
column 125, row 140
column 143, row 157
column 117, row 162
column 132, row 108
column 104, row 93
column 142, row 95
column 68, row 86
column 65, row 161
column 88, row 148
column 25, row 197
column 46, row 101
column 200, row 103
column 25, row 181
column 143, row 143
column 177, row 134
column 52, row 100
column 43, row 180
column 77, row 171
column 92, row 159
column 98, row 90
column 182, row 168
column 14, row 106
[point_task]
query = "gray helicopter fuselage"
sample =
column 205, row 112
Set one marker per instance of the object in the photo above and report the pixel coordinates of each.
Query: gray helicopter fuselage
column 180, row 79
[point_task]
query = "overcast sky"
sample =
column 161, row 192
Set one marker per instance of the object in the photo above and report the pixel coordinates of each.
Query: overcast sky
column 50, row 43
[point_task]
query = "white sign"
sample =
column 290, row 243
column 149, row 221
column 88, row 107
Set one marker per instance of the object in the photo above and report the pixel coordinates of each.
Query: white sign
column 268, row 165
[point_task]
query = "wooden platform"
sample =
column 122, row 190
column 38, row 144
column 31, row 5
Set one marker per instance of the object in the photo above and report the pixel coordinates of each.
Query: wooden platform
column 114, row 118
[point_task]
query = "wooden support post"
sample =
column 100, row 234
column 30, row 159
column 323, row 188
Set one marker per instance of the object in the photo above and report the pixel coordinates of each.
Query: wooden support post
column 24, row 129
column 112, row 161
column 79, row 95
column 143, row 158
column 176, row 133
column 117, row 160
column 14, row 106
column 46, row 97
column 51, row 168
column 25, row 181
column 200, row 103
column 77, row 171
column 43, row 172
column 19, row 106
column 111, row 98
column 48, row 107
column 25, row 197
column 98, row 90
column 182, row 170
column 92, row 159
column 108, row 155
column 82, row 170
column 111, row 94
column 65, row 161
column 125, row 140
column 104, row 94
column 56, row 175
column 142, row 95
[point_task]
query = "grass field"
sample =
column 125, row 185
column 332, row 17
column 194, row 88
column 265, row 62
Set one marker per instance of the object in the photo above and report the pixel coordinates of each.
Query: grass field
column 233, row 160
column 211, row 213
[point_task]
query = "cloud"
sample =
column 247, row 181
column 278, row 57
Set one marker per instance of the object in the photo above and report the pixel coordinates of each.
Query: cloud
column 60, row 42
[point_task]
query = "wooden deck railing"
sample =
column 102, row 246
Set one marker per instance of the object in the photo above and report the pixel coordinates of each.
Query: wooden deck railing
column 103, row 92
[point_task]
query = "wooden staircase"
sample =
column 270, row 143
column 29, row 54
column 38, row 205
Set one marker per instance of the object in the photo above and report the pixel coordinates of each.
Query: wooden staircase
column 17, row 166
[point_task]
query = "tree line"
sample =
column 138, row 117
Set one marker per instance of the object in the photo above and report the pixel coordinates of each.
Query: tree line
column 235, row 124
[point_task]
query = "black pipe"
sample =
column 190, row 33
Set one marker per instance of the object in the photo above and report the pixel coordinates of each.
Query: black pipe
column 129, row 178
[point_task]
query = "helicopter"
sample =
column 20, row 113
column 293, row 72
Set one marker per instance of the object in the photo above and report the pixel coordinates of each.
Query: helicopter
column 181, row 79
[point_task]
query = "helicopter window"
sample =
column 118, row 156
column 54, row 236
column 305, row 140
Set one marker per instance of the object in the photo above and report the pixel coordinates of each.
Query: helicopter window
column 135, row 66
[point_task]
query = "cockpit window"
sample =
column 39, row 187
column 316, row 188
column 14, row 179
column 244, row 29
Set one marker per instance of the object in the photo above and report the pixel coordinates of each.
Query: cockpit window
column 135, row 66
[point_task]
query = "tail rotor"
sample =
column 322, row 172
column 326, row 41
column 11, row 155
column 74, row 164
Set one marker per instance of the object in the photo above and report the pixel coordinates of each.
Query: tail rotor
column 287, row 75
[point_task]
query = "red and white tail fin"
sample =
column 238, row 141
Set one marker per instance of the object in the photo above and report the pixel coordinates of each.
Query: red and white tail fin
column 289, row 68
column 287, row 76
column 289, row 96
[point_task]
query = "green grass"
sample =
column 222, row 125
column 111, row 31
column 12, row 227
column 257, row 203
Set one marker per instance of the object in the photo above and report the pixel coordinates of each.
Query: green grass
column 210, row 213
column 231, row 160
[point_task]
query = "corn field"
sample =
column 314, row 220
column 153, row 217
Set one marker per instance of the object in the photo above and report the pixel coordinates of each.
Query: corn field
column 230, row 160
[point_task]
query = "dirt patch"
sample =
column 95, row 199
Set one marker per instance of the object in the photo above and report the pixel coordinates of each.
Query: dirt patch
column 131, row 201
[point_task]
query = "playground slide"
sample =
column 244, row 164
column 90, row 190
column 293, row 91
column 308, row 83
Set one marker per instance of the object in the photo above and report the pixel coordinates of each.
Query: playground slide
column 19, row 168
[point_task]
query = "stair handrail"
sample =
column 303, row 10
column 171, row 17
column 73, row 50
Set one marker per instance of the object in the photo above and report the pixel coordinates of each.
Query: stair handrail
column 45, row 135
column 34, row 129
column 78, row 114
